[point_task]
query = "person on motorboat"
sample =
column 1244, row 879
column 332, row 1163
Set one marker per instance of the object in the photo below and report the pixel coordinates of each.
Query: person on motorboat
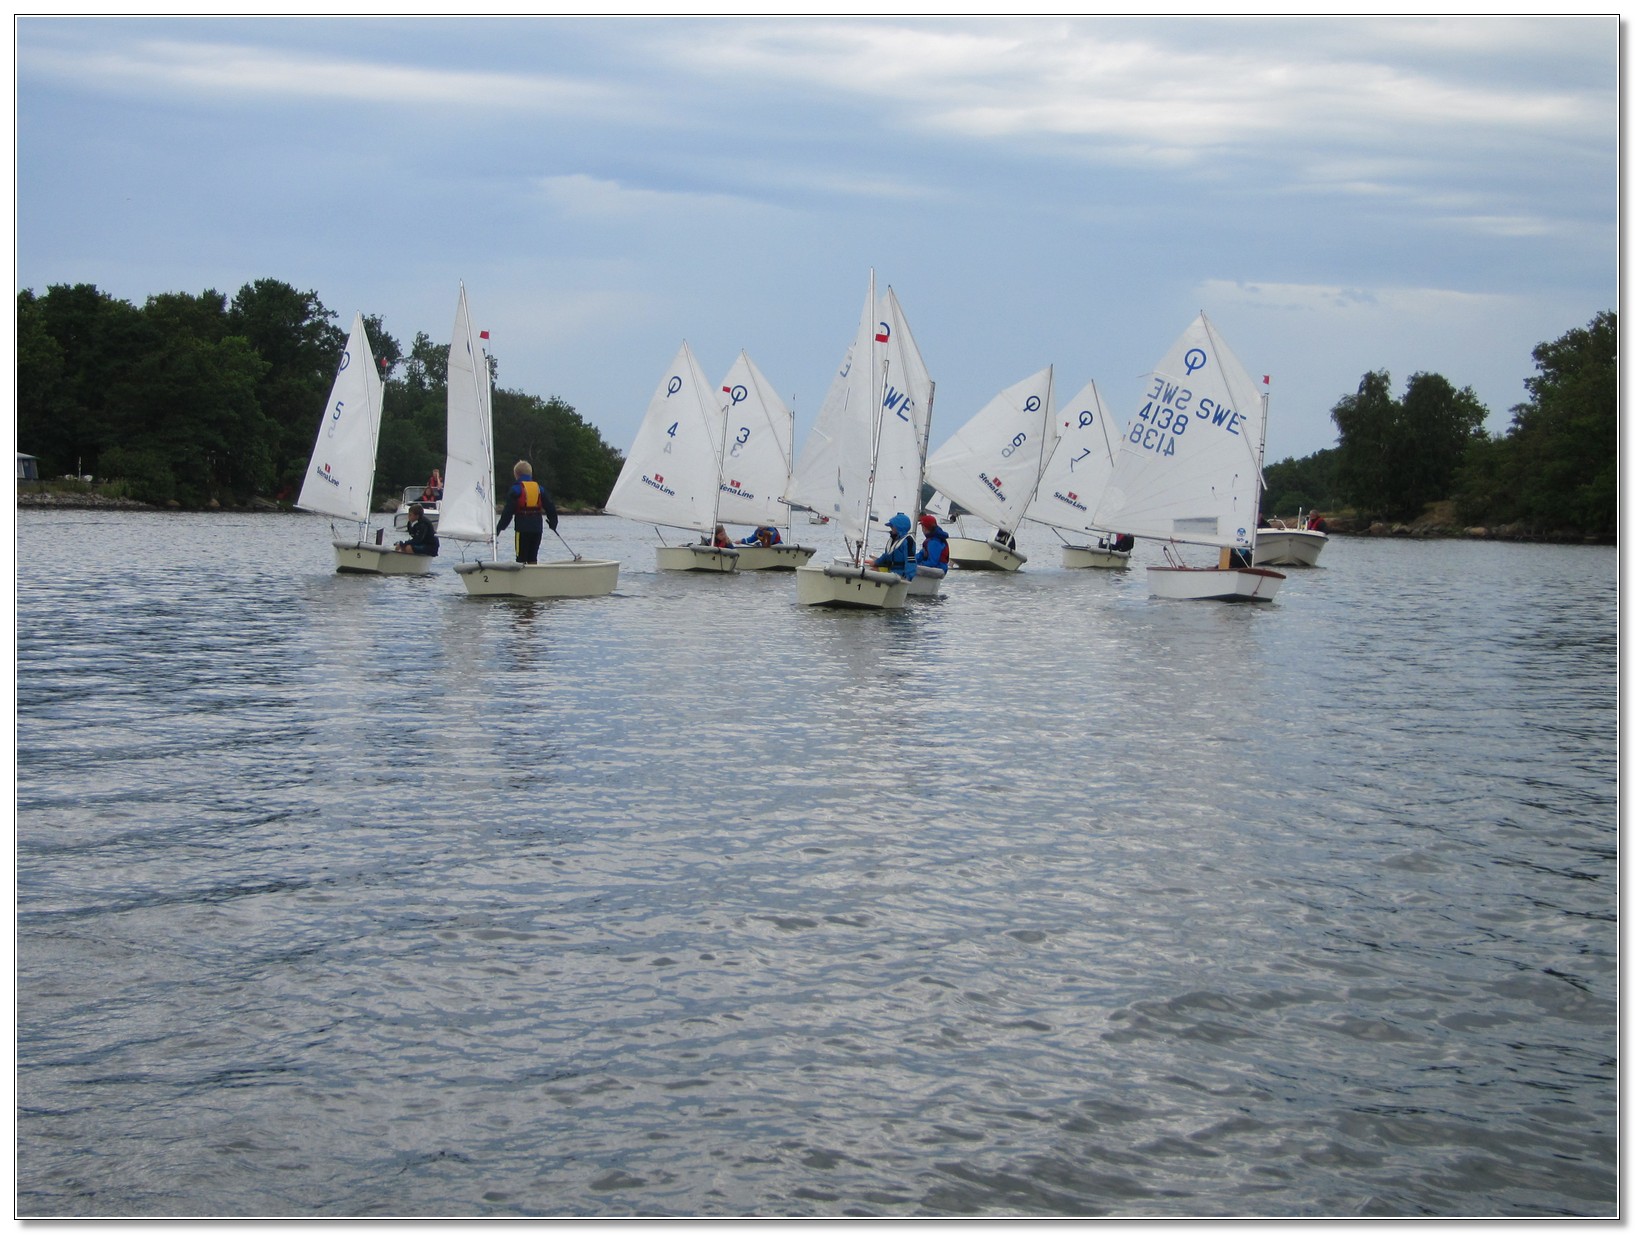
column 899, row 555
column 934, row 548
column 422, row 536
column 529, row 503
column 765, row 536
column 433, row 492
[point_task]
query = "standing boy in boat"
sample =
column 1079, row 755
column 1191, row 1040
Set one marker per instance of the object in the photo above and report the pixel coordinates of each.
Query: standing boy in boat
column 530, row 505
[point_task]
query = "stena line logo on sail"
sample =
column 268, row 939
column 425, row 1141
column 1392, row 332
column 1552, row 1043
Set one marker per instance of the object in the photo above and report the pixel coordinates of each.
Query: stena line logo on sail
column 1072, row 499
column 735, row 489
column 656, row 481
column 325, row 474
column 994, row 484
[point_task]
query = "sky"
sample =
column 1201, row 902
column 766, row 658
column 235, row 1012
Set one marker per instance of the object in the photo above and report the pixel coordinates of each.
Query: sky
column 1339, row 195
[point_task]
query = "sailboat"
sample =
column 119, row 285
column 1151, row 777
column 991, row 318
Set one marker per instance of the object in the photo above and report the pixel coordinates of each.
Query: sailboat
column 756, row 465
column 1074, row 476
column 906, row 397
column 340, row 479
column 864, row 458
column 991, row 468
column 468, row 508
column 1189, row 471
column 671, row 477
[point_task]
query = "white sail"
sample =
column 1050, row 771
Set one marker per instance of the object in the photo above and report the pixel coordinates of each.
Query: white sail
column 671, row 475
column 340, row 480
column 832, row 472
column 1188, row 468
column 991, row 466
column 755, row 463
column 1078, row 467
column 467, row 510
column 904, row 415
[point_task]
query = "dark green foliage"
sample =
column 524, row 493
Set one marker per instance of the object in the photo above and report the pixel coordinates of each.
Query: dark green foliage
column 1396, row 456
column 1301, row 485
column 192, row 398
column 1557, row 467
column 569, row 456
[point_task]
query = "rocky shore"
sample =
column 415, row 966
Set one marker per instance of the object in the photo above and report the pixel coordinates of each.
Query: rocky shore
column 1439, row 523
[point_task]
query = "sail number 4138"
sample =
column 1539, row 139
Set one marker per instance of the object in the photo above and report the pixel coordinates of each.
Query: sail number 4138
column 1163, row 425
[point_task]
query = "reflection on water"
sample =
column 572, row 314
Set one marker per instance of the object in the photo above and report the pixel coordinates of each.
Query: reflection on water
column 346, row 896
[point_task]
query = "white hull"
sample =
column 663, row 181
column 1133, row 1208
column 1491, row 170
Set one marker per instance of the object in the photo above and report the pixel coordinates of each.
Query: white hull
column 970, row 554
column 772, row 557
column 1213, row 582
column 352, row 558
column 844, row 586
column 400, row 519
column 1089, row 557
column 927, row 581
column 1288, row 547
column 697, row 557
column 541, row 580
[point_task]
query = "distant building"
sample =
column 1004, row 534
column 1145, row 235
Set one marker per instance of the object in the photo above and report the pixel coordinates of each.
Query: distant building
column 28, row 467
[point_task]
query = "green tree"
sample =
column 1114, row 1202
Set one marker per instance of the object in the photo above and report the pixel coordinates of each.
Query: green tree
column 1295, row 485
column 1569, row 430
column 73, row 343
column 298, row 339
column 1556, row 469
column 1395, row 456
column 1365, row 421
column 1435, row 427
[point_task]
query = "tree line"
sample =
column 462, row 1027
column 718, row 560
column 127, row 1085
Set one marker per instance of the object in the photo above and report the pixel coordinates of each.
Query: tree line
column 193, row 398
column 1554, row 472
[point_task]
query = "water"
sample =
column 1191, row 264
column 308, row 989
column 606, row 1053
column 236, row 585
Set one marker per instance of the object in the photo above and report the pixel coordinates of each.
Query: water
column 341, row 896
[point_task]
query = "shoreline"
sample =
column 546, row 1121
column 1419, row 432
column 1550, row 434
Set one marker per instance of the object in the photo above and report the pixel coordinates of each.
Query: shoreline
column 1425, row 529
column 256, row 506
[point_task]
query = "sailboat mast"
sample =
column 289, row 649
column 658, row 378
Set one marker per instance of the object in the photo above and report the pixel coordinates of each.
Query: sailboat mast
column 1049, row 426
column 720, row 459
column 925, row 449
column 874, row 416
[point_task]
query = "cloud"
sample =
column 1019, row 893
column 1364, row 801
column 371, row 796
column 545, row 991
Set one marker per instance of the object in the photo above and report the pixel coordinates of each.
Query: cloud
column 1395, row 302
column 583, row 196
column 1175, row 92
column 228, row 69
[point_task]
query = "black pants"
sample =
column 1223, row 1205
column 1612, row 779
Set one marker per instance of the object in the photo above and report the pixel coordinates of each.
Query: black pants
column 529, row 533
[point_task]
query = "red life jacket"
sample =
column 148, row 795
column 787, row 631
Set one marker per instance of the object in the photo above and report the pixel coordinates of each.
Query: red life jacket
column 529, row 500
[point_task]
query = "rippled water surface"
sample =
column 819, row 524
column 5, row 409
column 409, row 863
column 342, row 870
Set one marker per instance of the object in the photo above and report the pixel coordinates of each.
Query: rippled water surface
column 344, row 896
